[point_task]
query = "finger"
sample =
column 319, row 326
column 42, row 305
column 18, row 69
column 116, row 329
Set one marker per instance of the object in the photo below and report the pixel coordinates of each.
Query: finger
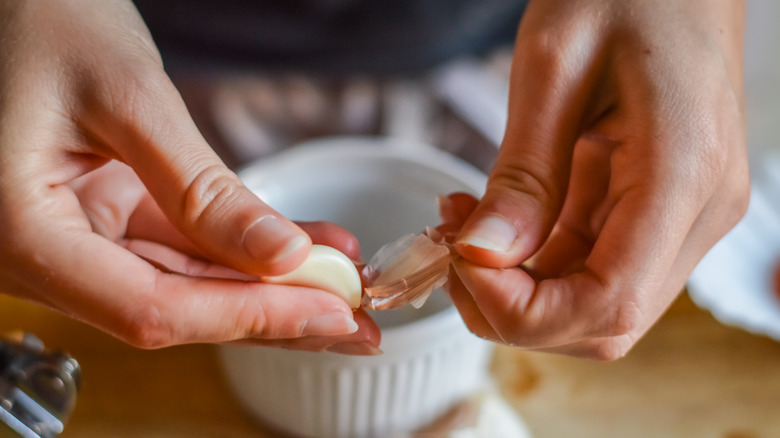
column 551, row 313
column 148, row 222
column 151, row 309
column 455, row 208
column 701, row 237
column 583, row 215
column 171, row 261
column 469, row 311
column 602, row 349
column 335, row 236
column 549, row 89
column 120, row 293
column 365, row 342
column 118, row 206
column 142, row 118
column 108, row 196
column 503, row 299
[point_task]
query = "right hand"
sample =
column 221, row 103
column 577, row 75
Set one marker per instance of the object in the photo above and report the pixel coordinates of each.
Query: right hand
column 624, row 161
column 82, row 85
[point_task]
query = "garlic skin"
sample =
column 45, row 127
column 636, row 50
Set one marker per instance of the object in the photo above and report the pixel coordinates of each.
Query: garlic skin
column 406, row 271
column 327, row 269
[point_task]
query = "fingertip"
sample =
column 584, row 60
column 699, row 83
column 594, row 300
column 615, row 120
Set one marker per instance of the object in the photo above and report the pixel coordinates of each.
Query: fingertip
column 332, row 324
column 456, row 207
column 277, row 245
column 355, row 349
column 333, row 235
column 490, row 240
column 463, row 204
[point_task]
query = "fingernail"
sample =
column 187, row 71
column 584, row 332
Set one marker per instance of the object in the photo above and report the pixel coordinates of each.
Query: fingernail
column 263, row 238
column 491, row 232
column 292, row 246
column 444, row 202
column 445, row 209
column 355, row 349
column 330, row 325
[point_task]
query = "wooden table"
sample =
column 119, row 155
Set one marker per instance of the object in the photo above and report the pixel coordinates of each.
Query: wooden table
column 689, row 377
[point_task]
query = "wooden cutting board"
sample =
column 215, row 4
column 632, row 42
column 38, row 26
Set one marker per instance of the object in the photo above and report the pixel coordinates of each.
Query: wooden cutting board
column 688, row 377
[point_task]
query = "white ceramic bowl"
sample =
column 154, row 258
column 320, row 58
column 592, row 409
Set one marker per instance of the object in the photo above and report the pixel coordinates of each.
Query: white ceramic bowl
column 379, row 189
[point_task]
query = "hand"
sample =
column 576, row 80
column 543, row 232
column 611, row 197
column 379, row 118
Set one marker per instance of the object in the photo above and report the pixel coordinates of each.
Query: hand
column 623, row 162
column 82, row 85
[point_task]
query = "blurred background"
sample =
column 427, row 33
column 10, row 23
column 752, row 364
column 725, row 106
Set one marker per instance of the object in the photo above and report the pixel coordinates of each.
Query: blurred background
column 710, row 367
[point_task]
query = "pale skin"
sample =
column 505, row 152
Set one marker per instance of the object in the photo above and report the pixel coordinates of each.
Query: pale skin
column 623, row 162
column 82, row 90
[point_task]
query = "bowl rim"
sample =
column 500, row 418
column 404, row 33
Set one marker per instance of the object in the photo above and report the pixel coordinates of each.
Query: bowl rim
column 373, row 148
column 414, row 152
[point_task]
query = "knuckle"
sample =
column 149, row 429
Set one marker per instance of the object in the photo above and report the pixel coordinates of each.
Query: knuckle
column 541, row 51
column 723, row 173
column 214, row 188
column 145, row 334
column 256, row 323
column 624, row 319
column 726, row 187
column 618, row 310
column 738, row 200
column 106, row 219
column 258, row 317
column 609, row 350
column 146, row 328
column 524, row 176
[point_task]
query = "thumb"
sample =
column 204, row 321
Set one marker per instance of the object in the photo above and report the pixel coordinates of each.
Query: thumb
column 513, row 218
column 527, row 187
column 207, row 202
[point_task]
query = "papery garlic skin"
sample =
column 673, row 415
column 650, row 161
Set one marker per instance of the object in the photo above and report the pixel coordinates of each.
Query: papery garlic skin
column 405, row 271
column 328, row 269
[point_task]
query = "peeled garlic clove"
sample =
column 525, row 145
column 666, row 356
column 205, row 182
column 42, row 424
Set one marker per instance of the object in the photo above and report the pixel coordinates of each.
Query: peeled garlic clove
column 328, row 269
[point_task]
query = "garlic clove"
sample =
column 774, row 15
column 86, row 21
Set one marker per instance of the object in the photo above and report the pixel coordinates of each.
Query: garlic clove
column 327, row 269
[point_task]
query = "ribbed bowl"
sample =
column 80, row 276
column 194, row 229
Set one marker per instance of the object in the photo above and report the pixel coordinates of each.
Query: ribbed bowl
column 379, row 190
column 428, row 366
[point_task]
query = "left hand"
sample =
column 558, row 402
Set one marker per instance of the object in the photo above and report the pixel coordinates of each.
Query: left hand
column 137, row 224
column 623, row 162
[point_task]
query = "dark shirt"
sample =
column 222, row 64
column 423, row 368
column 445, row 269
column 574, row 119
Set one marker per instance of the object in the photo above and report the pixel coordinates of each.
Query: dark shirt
column 328, row 36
